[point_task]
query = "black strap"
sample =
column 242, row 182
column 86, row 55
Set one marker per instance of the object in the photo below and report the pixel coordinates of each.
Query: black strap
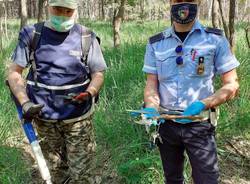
column 86, row 43
column 214, row 30
column 36, row 38
column 87, row 38
column 156, row 38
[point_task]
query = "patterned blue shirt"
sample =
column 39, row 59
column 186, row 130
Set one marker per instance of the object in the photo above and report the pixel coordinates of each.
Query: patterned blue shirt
column 181, row 85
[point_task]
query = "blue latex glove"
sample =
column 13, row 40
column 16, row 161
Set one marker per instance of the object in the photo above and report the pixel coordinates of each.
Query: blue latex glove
column 194, row 109
column 150, row 112
column 134, row 114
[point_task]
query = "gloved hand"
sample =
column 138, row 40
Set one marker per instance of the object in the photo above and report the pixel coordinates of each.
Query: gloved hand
column 194, row 109
column 82, row 97
column 30, row 110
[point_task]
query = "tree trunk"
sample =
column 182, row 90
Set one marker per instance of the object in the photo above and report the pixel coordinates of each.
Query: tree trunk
column 247, row 30
column 223, row 19
column 29, row 8
column 40, row 10
column 34, row 4
column 215, row 14
column 46, row 9
column 142, row 7
column 102, row 10
column 24, row 15
column 231, row 23
column 1, row 27
column 117, row 20
column 210, row 10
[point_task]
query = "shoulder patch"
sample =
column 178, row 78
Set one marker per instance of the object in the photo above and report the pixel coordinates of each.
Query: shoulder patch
column 214, row 30
column 156, row 38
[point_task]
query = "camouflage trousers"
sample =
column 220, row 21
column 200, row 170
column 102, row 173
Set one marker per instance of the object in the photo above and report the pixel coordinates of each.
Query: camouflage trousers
column 69, row 149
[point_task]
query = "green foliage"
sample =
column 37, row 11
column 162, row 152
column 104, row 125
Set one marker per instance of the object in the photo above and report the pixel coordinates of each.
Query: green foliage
column 116, row 134
column 12, row 168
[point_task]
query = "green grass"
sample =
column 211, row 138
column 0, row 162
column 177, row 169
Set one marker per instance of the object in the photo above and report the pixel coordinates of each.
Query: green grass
column 12, row 168
column 126, row 142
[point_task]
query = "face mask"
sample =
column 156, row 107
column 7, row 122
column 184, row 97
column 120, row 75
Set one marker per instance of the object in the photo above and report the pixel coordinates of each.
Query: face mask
column 61, row 23
column 184, row 13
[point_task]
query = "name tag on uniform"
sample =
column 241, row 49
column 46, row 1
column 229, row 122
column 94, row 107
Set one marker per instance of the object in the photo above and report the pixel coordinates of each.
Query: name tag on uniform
column 201, row 66
column 75, row 53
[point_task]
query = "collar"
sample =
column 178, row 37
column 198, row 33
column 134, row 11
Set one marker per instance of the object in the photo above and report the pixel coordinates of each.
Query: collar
column 170, row 31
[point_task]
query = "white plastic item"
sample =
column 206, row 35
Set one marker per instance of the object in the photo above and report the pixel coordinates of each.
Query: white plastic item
column 43, row 168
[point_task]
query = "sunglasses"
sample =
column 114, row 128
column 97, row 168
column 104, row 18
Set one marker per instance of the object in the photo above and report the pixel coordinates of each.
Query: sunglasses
column 179, row 51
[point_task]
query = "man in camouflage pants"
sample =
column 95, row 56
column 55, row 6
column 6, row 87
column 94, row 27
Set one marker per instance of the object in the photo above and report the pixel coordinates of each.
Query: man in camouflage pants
column 62, row 84
column 69, row 149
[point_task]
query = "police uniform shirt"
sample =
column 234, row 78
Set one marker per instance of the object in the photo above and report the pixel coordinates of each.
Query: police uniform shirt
column 20, row 56
column 180, row 85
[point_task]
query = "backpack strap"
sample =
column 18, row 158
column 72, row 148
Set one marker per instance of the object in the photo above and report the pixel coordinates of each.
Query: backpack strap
column 85, row 44
column 36, row 38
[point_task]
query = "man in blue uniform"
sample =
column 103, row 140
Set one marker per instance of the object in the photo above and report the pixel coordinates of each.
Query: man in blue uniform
column 180, row 64
column 66, row 75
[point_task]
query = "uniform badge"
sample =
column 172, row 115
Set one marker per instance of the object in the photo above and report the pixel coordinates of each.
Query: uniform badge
column 201, row 67
column 193, row 54
column 183, row 12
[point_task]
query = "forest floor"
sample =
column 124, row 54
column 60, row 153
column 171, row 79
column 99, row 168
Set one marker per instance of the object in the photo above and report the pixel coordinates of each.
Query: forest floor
column 234, row 163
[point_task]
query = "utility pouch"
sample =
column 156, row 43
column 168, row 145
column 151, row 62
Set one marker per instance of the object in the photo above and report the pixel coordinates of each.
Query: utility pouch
column 214, row 114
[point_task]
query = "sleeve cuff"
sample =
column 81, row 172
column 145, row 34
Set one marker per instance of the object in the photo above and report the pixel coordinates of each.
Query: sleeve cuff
column 227, row 67
column 149, row 69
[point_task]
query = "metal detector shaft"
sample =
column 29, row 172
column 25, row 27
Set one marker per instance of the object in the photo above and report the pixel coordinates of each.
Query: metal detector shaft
column 30, row 134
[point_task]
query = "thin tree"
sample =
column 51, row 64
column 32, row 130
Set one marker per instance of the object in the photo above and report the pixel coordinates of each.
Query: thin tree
column 24, row 13
column 231, row 23
column 117, row 20
column 3, row 22
column 223, row 18
column 1, row 26
column 215, row 14
column 40, row 10
column 247, row 30
column 229, row 27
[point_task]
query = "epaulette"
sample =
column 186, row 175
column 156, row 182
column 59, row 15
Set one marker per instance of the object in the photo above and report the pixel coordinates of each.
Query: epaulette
column 214, row 30
column 156, row 38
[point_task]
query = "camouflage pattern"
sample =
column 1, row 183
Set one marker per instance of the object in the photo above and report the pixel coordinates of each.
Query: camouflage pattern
column 69, row 149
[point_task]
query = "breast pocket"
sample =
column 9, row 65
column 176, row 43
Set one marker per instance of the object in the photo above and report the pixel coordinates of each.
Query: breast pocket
column 166, row 66
column 200, row 64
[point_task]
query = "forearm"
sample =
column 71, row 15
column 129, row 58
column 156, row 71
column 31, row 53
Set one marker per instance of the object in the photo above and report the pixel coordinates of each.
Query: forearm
column 151, row 97
column 97, row 80
column 17, row 86
column 227, row 92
